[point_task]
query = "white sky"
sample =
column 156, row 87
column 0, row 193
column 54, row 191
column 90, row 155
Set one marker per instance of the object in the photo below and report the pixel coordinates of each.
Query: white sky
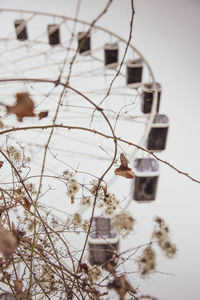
column 167, row 33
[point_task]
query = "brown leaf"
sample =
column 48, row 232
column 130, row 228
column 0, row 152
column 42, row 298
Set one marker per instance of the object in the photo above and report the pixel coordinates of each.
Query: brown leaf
column 23, row 107
column 43, row 114
column 2, row 209
column 8, row 243
column 123, row 169
column 83, row 267
column 1, row 163
column 125, row 172
column 124, row 160
column 18, row 195
column 27, row 204
column 18, row 286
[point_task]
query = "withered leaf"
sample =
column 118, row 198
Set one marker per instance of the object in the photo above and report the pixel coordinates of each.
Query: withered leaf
column 83, row 267
column 18, row 286
column 23, row 107
column 124, row 160
column 8, row 243
column 1, row 163
column 2, row 209
column 27, row 204
column 43, row 114
column 125, row 172
column 123, row 169
column 18, row 195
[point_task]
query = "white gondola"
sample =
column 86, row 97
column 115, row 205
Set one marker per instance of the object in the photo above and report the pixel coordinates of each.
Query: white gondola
column 53, row 34
column 157, row 138
column 148, row 91
column 21, row 30
column 84, row 43
column 134, row 70
column 146, row 179
column 111, row 53
column 103, row 243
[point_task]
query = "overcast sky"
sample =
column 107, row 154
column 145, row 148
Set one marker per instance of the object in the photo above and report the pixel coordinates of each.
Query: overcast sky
column 167, row 33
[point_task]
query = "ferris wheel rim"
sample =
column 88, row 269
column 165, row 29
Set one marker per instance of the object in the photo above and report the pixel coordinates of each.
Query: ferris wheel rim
column 141, row 56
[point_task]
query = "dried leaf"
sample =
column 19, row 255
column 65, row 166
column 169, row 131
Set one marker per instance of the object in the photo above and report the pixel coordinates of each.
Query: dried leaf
column 1, row 163
column 18, row 195
column 125, row 172
column 2, row 209
column 123, row 169
column 124, row 160
column 18, row 286
column 23, row 107
column 8, row 243
column 83, row 267
column 43, row 114
column 27, row 204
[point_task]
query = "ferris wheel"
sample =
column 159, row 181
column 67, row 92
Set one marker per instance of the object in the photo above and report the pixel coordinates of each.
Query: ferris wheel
column 85, row 95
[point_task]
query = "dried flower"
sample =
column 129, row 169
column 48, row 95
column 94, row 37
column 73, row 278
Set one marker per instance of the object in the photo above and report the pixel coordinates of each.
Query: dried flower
column 96, row 273
column 77, row 219
column 123, row 223
column 67, row 175
column 161, row 234
column 147, row 261
column 31, row 188
column 121, row 286
column 85, row 225
column 85, row 201
column 14, row 153
column 72, row 189
column 109, row 202
column 168, row 247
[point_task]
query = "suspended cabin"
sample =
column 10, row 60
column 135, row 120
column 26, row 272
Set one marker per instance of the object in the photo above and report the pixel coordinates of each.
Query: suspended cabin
column 103, row 242
column 157, row 138
column 148, row 94
column 84, row 46
column 111, row 51
column 134, row 69
column 21, row 30
column 53, row 34
column 145, row 180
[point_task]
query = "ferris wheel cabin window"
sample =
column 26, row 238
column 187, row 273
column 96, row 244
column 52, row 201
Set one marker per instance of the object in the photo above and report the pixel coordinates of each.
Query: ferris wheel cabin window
column 157, row 138
column 53, row 34
column 103, row 242
column 21, row 30
column 84, row 43
column 134, row 70
column 111, row 52
column 148, row 92
column 145, row 180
